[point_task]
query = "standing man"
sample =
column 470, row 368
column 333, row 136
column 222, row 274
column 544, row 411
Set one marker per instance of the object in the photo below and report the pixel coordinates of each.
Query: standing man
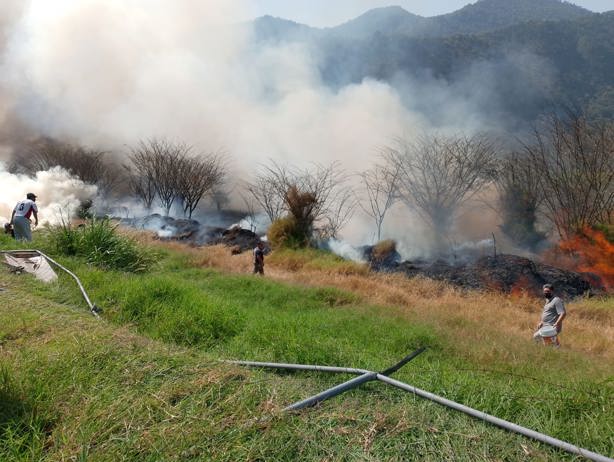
column 553, row 314
column 259, row 259
column 20, row 219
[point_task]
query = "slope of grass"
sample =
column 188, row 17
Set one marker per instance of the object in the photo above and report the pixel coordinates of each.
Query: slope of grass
column 144, row 384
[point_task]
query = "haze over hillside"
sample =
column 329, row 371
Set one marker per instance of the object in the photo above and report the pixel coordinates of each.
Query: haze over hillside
column 482, row 16
column 509, row 59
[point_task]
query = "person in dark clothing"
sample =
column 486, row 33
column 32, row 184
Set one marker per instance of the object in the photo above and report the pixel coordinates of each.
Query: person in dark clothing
column 8, row 229
column 259, row 259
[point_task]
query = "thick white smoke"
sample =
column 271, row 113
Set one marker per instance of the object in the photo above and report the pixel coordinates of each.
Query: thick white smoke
column 115, row 71
column 59, row 194
column 109, row 73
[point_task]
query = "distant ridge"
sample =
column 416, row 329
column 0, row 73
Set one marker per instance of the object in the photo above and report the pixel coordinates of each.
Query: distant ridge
column 531, row 54
column 476, row 18
column 391, row 19
column 489, row 15
column 270, row 28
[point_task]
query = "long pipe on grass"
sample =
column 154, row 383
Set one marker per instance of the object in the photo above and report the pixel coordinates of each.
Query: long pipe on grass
column 366, row 376
column 331, row 392
column 93, row 308
column 497, row 421
column 355, row 382
column 301, row 367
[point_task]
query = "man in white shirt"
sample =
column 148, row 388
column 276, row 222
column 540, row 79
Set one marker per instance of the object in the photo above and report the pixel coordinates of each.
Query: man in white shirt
column 553, row 313
column 20, row 219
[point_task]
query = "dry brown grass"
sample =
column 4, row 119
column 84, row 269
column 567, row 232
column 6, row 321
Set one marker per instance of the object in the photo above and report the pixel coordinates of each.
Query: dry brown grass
column 480, row 323
column 384, row 248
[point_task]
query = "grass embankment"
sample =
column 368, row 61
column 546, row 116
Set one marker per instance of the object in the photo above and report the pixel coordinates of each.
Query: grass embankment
column 147, row 385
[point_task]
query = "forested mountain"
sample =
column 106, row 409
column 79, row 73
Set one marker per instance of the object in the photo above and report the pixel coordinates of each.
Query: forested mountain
column 528, row 66
column 482, row 16
column 535, row 55
column 269, row 28
column 386, row 20
column 490, row 15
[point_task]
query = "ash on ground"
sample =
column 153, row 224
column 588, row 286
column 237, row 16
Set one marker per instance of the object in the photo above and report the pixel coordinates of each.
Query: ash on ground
column 503, row 272
column 219, row 230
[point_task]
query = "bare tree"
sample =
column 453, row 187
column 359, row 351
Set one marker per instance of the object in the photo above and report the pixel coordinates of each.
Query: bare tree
column 317, row 198
column 170, row 171
column 220, row 196
column 89, row 165
column 438, row 174
column 518, row 184
column 575, row 164
column 250, row 206
column 331, row 200
column 158, row 162
column 380, row 185
column 197, row 177
column 266, row 189
column 339, row 211
column 141, row 178
column 167, row 161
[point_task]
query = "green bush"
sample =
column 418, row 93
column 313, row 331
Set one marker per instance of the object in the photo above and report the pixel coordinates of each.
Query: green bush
column 285, row 232
column 101, row 245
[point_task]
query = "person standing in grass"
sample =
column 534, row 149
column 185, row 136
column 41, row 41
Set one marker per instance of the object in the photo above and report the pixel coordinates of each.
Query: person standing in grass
column 553, row 313
column 20, row 219
column 259, row 259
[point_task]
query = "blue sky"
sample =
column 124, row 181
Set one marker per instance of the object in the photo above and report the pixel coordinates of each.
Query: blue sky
column 331, row 12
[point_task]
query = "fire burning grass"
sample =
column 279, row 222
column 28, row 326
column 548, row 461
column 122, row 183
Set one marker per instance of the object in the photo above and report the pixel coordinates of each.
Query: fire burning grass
column 590, row 252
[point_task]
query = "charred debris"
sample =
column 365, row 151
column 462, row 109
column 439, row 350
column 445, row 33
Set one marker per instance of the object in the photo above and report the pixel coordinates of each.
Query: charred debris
column 501, row 272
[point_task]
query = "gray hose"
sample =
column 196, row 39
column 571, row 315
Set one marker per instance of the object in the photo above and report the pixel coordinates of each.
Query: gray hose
column 498, row 422
column 365, row 376
column 301, row 367
column 93, row 308
column 341, row 388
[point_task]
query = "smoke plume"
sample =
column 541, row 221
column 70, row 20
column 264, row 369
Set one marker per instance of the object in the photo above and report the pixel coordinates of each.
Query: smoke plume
column 59, row 194
column 113, row 72
column 109, row 73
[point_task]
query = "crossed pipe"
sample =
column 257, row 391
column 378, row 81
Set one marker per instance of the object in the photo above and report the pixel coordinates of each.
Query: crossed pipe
column 364, row 376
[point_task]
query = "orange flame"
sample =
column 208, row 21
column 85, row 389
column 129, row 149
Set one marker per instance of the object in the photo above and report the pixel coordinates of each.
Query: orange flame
column 520, row 288
column 587, row 252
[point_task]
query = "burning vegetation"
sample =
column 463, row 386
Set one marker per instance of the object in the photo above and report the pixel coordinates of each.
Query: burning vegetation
column 589, row 251
column 501, row 273
column 561, row 179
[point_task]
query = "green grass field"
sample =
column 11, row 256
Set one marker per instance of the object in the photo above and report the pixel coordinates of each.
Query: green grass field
column 146, row 382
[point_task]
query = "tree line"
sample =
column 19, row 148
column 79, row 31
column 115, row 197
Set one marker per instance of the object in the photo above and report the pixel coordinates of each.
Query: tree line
column 562, row 174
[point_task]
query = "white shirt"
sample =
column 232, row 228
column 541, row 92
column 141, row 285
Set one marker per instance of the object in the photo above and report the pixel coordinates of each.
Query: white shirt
column 552, row 310
column 25, row 208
